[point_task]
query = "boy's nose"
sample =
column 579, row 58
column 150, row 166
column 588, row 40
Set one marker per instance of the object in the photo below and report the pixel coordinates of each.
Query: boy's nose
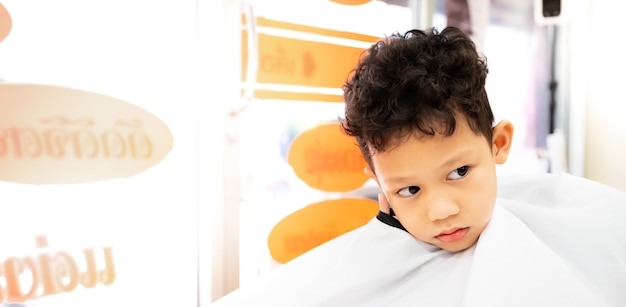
column 440, row 207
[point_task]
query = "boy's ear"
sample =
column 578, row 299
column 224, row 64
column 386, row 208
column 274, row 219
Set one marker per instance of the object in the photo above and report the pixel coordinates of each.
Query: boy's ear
column 371, row 173
column 502, row 140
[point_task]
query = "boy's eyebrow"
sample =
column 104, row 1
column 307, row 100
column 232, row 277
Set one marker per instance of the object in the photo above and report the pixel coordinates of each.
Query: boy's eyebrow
column 452, row 161
column 458, row 156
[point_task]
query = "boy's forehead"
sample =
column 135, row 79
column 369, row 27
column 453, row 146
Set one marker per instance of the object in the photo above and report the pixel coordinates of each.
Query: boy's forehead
column 393, row 141
column 413, row 134
column 459, row 136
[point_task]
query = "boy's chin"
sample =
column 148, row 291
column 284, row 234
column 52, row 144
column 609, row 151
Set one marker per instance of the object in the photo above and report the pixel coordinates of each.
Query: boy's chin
column 457, row 247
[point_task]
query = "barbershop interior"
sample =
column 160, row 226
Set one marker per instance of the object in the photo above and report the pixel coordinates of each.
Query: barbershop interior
column 167, row 153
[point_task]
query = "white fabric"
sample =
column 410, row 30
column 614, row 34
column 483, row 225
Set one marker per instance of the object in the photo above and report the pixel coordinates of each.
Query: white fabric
column 584, row 222
column 512, row 267
column 552, row 241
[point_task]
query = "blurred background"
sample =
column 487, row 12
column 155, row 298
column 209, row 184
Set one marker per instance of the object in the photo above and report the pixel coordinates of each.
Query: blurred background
column 236, row 82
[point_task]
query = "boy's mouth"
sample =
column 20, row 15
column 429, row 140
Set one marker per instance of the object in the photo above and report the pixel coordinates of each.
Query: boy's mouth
column 453, row 234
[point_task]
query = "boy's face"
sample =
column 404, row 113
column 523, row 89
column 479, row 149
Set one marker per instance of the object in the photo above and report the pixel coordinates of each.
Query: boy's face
column 443, row 188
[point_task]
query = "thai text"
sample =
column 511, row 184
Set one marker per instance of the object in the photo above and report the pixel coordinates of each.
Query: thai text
column 328, row 160
column 59, row 137
column 296, row 244
column 53, row 272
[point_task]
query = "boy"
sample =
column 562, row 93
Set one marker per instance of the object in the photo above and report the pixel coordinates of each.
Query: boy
column 417, row 106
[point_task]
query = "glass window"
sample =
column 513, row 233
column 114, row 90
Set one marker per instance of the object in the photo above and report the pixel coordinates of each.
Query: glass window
column 305, row 52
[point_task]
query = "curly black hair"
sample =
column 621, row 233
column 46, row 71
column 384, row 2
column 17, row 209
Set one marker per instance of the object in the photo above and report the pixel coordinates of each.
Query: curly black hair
column 416, row 83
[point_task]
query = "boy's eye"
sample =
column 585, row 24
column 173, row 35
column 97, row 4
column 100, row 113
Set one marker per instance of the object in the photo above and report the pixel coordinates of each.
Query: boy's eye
column 458, row 173
column 409, row 191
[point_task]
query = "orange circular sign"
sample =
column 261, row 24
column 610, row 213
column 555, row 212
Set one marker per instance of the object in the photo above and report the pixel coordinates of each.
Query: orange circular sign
column 327, row 159
column 317, row 223
column 5, row 22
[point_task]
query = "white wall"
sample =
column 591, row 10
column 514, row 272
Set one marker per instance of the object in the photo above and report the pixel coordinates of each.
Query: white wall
column 606, row 126
column 156, row 55
column 597, row 88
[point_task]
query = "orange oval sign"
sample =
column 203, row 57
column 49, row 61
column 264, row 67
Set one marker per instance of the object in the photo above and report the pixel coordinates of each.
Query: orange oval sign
column 53, row 135
column 327, row 159
column 317, row 223
column 5, row 22
column 351, row 2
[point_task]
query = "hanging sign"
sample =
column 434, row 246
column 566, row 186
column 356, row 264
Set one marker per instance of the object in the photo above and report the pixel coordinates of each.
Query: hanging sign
column 327, row 159
column 5, row 22
column 290, row 61
column 318, row 68
column 316, row 224
column 54, row 135
column 351, row 2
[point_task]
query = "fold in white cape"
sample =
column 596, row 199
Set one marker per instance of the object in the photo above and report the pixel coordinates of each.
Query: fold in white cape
column 553, row 240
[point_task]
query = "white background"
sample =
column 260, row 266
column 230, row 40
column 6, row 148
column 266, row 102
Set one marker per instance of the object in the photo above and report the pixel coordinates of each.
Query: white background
column 144, row 53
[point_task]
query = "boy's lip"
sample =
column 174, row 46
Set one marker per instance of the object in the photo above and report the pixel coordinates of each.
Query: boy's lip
column 452, row 234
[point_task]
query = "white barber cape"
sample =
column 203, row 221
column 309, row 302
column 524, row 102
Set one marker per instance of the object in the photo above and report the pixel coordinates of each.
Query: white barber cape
column 553, row 240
